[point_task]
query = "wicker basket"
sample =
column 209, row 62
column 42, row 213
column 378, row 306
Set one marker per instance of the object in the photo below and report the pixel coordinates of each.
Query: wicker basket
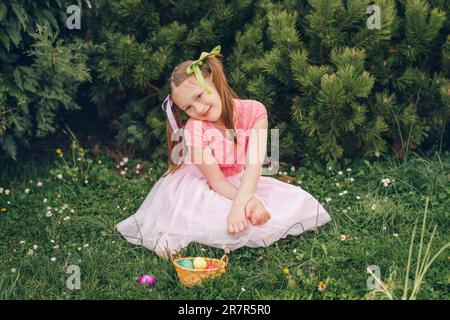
column 191, row 277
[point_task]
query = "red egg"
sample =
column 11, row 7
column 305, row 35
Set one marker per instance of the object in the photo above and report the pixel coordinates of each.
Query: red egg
column 210, row 266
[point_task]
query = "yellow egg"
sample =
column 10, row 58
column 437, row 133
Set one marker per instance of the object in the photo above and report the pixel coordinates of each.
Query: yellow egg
column 199, row 263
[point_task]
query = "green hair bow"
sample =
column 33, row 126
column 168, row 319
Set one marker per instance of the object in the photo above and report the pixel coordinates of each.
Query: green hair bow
column 194, row 68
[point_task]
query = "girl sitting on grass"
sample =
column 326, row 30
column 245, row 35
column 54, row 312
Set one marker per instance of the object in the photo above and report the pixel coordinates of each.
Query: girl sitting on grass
column 213, row 192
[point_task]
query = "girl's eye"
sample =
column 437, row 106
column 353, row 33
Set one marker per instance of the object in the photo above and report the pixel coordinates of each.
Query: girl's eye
column 197, row 97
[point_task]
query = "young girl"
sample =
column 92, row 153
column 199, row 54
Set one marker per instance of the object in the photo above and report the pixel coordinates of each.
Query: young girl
column 213, row 192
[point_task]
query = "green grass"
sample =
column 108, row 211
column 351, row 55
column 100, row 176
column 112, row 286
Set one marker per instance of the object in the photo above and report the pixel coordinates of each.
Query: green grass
column 379, row 221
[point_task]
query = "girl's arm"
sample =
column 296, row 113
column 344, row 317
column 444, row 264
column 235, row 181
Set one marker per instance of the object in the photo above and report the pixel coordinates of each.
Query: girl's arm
column 209, row 167
column 254, row 159
column 257, row 145
column 225, row 188
column 256, row 151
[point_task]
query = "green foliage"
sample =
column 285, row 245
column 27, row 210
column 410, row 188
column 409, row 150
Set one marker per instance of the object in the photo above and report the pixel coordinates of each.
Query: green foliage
column 39, row 72
column 32, row 96
column 335, row 88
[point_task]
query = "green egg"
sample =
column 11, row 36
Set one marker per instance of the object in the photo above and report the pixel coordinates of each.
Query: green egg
column 186, row 264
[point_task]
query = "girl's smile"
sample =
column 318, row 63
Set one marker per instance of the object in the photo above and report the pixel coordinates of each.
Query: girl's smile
column 207, row 112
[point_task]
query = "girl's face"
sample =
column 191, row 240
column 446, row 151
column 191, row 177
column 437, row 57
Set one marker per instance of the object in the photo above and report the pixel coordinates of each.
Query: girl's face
column 190, row 97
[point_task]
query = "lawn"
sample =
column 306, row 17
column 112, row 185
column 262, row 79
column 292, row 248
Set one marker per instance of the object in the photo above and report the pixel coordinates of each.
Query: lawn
column 61, row 211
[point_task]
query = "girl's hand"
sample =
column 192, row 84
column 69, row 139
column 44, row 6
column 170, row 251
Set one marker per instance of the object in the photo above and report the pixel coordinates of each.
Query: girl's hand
column 237, row 220
column 256, row 212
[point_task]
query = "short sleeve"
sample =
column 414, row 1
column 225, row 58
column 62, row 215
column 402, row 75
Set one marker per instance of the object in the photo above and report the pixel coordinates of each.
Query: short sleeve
column 194, row 133
column 259, row 112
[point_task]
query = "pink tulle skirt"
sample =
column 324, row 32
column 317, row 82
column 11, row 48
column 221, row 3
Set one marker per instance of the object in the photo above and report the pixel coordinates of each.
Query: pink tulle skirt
column 182, row 208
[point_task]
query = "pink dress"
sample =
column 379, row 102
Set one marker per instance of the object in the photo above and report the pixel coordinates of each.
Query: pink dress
column 182, row 208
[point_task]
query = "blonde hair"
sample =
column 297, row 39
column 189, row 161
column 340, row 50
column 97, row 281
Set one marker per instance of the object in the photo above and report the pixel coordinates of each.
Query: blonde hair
column 211, row 66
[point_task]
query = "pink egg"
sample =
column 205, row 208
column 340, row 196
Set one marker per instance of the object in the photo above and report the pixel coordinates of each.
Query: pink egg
column 211, row 266
column 147, row 279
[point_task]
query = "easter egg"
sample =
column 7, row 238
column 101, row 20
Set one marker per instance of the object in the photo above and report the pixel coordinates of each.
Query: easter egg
column 211, row 266
column 147, row 279
column 200, row 263
column 186, row 264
